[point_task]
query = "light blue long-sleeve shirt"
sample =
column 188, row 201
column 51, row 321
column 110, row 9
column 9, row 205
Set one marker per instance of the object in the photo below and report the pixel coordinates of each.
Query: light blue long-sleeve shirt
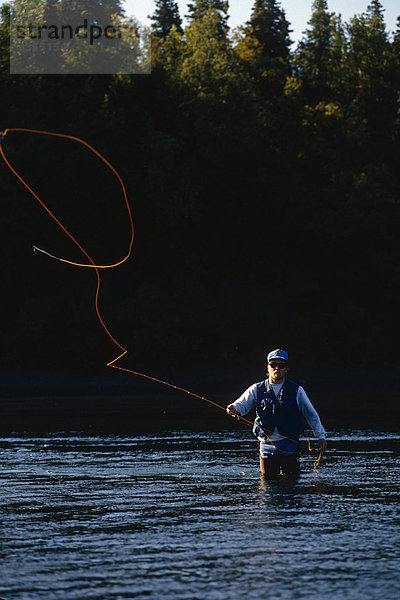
column 246, row 402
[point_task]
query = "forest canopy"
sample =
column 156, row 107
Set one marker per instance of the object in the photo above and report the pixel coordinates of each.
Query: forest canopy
column 264, row 180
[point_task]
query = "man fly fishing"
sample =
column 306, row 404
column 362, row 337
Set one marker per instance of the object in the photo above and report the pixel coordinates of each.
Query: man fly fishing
column 280, row 406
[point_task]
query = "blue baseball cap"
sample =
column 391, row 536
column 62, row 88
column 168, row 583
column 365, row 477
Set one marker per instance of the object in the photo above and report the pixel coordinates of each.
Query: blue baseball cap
column 277, row 354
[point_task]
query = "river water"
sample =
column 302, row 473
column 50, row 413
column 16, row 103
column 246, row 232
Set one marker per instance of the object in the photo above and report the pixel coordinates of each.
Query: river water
column 184, row 515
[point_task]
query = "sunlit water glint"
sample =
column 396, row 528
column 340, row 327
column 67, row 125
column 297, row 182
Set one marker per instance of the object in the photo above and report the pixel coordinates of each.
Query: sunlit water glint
column 185, row 516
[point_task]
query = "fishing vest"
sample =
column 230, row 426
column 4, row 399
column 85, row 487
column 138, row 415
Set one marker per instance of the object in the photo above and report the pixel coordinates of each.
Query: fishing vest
column 279, row 411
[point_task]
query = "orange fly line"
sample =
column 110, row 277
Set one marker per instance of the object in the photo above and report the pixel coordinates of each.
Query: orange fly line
column 91, row 263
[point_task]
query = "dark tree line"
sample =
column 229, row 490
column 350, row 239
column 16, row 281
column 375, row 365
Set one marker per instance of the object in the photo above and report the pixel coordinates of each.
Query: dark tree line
column 265, row 187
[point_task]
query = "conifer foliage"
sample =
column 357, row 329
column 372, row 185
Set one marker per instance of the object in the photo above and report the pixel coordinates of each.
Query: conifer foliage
column 270, row 28
column 198, row 9
column 165, row 17
column 315, row 51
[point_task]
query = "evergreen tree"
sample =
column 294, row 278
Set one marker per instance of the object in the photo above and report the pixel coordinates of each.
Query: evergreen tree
column 317, row 90
column 262, row 49
column 396, row 37
column 315, row 51
column 206, row 66
column 4, row 46
column 375, row 11
column 339, row 70
column 395, row 56
column 270, row 28
column 369, row 64
column 395, row 46
column 199, row 9
column 368, row 35
column 174, row 49
column 165, row 17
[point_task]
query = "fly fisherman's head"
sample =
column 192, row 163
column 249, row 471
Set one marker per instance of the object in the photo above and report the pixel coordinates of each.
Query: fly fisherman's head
column 277, row 364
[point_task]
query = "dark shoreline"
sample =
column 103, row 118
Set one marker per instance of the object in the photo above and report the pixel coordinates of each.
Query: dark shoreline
column 113, row 402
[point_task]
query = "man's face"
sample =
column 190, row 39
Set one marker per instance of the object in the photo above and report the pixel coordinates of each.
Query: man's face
column 277, row 370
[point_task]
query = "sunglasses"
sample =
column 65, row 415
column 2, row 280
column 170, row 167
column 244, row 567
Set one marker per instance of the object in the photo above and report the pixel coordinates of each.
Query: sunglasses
column 275, row 365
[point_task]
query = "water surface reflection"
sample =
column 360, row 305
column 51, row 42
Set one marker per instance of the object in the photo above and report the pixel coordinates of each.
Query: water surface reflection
column 185, row 516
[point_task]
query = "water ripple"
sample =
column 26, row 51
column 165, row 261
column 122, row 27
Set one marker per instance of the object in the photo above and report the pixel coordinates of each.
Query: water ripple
column 186, row 516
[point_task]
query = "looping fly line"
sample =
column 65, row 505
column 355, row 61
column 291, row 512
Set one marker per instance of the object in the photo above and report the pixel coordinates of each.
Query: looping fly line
column 92, row 265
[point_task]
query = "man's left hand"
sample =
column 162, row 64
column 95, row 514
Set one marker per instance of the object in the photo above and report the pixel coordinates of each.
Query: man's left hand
column 322, row 444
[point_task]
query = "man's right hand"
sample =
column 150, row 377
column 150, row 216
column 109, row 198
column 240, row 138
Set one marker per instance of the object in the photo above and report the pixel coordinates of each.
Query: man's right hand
column 231, row 410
